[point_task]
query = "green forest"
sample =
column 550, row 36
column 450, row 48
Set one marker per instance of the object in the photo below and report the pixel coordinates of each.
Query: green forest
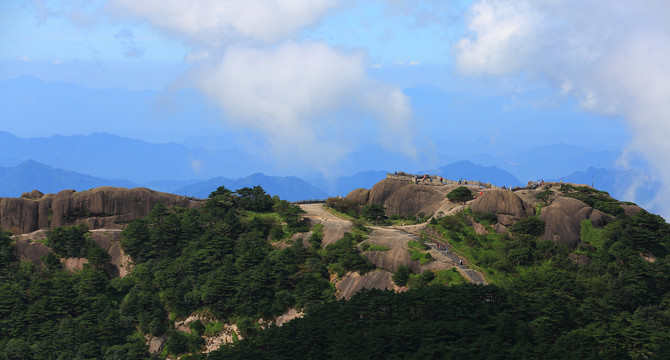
column 223, row 261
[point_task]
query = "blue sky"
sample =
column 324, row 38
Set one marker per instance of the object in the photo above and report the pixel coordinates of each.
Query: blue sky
column 303, row 76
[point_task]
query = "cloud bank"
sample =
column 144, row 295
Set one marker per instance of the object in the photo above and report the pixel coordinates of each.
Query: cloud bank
column 213, row 22
column 247, row 61
column 614, row 57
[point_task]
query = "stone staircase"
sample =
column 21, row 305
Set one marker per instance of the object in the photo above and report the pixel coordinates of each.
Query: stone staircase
column 472, row 275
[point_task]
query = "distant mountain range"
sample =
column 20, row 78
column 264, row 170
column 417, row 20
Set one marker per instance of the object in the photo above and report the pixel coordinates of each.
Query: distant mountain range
column 467, row 170
column 493, row 130
column 288, row 188
column 621, row 184
column 111, row 156
column 29, row 175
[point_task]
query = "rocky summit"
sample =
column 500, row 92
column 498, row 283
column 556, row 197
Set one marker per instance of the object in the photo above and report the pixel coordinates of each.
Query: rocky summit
column 103, row 207
column 435, row 269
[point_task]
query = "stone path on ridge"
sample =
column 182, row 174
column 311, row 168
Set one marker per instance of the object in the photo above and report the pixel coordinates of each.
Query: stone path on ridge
column 335, row 227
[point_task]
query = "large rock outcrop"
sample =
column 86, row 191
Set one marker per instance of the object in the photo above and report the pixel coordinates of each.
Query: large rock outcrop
column 360, row 196
column 30, row 247
column 506, row 204
column 401, row 197
column 563, row 220
column 103, row 207
column 354, row 282
column 27, row 250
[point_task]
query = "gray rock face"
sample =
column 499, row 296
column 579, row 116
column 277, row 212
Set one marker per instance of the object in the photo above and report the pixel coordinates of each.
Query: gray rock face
column 563, row 220
column 33, row 195
column 360, row 196
column 104, row 207
column 401, row 197
column 392, row 259
column 509, row 207
column 353, row 282
column 631, row 210
column 27, row 250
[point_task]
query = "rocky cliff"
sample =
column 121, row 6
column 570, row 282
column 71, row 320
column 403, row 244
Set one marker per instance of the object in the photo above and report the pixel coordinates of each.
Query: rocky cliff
column 402, row 197
column 103, row 207
column 562, row 215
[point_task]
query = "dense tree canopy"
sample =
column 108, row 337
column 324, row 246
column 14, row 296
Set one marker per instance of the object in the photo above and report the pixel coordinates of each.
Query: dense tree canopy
column 233, row 261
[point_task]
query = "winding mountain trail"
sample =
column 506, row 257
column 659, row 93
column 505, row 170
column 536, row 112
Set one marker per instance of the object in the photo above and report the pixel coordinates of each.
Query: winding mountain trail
column 469, row 274
column 333, row 226
column 394, row 237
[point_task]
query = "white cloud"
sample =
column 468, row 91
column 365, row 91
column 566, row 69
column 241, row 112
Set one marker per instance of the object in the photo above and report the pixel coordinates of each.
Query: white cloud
column 246, row 62
column 214, row 22
column 612, row 56
column 196, row 56
column 290, row 92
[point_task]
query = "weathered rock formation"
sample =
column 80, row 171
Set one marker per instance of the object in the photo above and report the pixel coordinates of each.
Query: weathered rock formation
column 402, row 197
column 354, row 282
column 360, row 196
column 506, row 204
column 631, row 210
column 33, row 195
column 563, row 220
column 29, row 247
column 103, row 207
column 390, row 260
column 27, row 250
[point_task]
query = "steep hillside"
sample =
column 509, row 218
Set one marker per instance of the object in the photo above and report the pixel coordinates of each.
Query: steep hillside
column 575, row 273
column 562, row 271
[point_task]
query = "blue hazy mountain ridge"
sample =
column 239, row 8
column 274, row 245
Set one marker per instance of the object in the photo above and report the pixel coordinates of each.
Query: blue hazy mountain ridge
column 556, row 160
column 496, row 125
column 506, row 124
column 468, row 170
column 111, row 156
column 170, row 185
column 31, row 175
column 288, row 188
column 69, row 108
column 629, row 185
column 343, row 185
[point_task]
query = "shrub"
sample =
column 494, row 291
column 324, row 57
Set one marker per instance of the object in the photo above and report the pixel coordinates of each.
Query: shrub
column 374, row 247
column 610, row 208
column 413, row 244
column 491, row 217
column 423, row 258
column 343, row 255
column 460, row 194
column 344, row 206
column 317, row 236
column 374, row 212
column 451, row 223
column 529, row 226
column 544, row 195
column 401, row 275
column 254, row 199
column 213, row 328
